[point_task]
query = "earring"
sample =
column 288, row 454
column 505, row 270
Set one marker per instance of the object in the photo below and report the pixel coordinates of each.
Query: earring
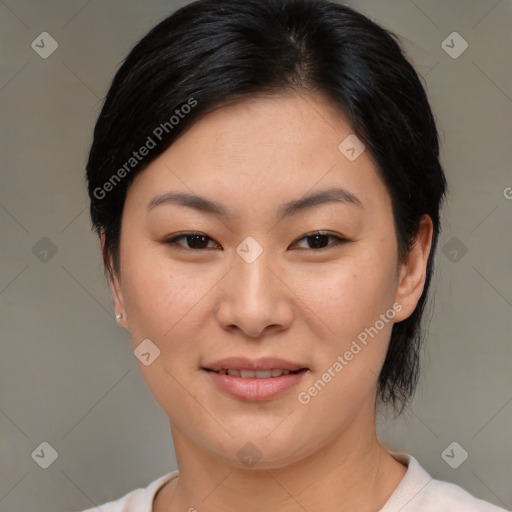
column 119, row 316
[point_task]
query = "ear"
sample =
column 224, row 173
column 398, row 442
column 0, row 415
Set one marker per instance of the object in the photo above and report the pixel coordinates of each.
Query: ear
column 114, row 283
column 413, row 273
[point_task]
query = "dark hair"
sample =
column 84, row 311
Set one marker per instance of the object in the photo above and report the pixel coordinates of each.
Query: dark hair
column 212, row 53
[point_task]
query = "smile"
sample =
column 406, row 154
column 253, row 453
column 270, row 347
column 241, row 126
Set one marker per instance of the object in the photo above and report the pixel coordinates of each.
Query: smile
column 258, row 374
column 258, row 380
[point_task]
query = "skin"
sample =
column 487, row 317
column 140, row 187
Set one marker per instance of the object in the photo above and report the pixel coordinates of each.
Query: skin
column 293, row 302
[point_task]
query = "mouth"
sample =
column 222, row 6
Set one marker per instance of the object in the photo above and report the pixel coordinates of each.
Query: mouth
column 255, row 380
column 257, row 374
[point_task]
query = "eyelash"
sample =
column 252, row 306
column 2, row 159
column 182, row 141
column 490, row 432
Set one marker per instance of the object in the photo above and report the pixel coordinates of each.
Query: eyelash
column 339, row 240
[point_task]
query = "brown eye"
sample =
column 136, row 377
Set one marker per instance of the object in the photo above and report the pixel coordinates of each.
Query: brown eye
column 318, row 241
column 194, row 241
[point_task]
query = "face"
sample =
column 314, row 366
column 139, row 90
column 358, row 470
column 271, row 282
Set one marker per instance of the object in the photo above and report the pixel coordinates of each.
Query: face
column 261, row 279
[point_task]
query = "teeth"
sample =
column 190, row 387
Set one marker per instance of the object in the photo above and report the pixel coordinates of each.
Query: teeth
column 263, row 374
column 259, row 374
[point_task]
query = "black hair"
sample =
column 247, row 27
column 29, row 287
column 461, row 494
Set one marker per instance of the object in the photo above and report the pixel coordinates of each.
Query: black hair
column 212, row 53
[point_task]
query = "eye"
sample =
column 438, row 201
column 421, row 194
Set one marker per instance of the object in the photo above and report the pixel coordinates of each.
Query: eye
column 199, row 241
column 196, row 241
column 319, row 240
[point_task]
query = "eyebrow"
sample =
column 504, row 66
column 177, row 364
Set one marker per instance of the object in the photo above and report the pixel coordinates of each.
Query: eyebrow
column 210, row 207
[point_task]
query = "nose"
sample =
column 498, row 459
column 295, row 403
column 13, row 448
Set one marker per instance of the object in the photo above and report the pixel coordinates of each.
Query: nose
column 253, row 298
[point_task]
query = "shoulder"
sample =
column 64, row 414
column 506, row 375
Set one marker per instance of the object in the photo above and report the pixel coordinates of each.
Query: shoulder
column 419, row 492
column 454, row 498
column 140, row 499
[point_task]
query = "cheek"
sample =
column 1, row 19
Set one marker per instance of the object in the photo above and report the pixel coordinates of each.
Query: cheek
column 163, row 304
column 162, row 298
column 348, row 296
column 356, row 304
column 354, row 300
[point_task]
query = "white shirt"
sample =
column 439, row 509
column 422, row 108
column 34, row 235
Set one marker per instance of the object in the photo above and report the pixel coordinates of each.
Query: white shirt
column 417, row 492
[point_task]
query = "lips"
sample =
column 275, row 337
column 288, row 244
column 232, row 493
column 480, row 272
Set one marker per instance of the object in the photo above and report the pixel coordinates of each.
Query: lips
column 264, row 364
column 258, row 374
column 255, row 380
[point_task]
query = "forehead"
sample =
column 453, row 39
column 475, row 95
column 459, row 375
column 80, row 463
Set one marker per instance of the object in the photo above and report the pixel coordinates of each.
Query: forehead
column 272, row 127
column 264, row 150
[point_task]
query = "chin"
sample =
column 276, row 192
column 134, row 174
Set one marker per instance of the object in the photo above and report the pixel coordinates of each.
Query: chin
column 263, row 449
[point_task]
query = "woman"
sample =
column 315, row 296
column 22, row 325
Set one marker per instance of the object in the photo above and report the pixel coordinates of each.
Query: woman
column 265, row 181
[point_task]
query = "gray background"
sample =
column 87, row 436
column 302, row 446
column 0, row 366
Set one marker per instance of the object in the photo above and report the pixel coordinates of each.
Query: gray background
column 67, row 372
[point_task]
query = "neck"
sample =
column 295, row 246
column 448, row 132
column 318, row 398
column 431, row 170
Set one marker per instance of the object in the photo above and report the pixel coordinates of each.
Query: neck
column 352, row 472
